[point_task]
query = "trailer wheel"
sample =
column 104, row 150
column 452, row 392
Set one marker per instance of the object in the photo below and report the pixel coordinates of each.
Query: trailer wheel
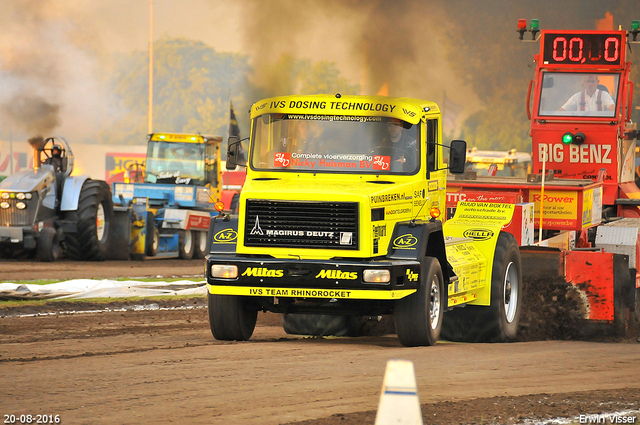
column 152, row 237
column 93, row 220
column 153, row 242
column 186, row 244
column 48, row 248
column 231, row 317
column 200, row 245
column 322, row 324
column 419, row 316
column 499, row 321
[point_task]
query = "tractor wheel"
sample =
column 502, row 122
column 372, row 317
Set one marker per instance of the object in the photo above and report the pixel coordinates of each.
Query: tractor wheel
column 186, row 244
column 231, row 317
column 497, row 322
column 200, row 245
column 419, row 316
column 322, row 324
column 93, row 220
column 48, row 247
column 153, row 236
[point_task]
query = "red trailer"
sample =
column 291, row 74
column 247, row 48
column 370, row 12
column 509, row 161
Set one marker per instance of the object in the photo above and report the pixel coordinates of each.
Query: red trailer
column 583, row 180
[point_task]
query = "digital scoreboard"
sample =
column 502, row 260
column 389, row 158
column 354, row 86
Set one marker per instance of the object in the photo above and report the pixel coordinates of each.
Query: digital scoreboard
column 583, row 48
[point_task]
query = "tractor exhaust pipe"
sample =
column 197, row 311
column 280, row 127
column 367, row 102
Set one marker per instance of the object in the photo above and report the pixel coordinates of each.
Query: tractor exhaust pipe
column 36, row 143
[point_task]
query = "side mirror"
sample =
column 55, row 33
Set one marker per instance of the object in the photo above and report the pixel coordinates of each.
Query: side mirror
column 232, row 152
column 457, row 156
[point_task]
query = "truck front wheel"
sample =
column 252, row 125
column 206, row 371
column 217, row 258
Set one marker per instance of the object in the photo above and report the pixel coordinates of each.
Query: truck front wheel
column 418, row 316
column 497, row 322
column 231, row 317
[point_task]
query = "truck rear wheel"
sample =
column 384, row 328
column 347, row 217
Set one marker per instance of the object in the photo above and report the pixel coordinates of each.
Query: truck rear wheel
column 419, row 316
column 499, row 321
column 186, row 244
column 322, row 324
column 93, row 219
column 231, row 317
column 48, row 247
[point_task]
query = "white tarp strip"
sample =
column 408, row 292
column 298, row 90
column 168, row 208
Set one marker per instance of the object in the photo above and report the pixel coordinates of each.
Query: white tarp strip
column 89, row 288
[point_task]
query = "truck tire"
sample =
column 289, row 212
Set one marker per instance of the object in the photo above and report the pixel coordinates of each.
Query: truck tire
column 231, row 317
column 200, row 245
column 322, row 324
column 499, row 321
column 93, row 220
column 419, row 316
column 186, row 244
column 48, row 248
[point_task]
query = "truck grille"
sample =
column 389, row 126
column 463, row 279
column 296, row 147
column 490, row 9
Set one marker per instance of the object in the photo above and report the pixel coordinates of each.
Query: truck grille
column 325, row 225
column 12, row 216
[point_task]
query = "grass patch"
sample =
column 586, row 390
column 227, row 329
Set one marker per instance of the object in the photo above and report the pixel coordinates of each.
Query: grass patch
column 120, row 279
column 22, row 303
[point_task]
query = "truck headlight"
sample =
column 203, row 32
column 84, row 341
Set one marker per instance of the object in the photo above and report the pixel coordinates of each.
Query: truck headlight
column 377, row 276
column 4, row 205
column 5, row 195
column 20, row 196
column 21, row 205
column 224, row 271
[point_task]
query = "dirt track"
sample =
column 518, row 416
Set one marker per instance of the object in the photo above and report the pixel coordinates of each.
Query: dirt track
column 132, row 366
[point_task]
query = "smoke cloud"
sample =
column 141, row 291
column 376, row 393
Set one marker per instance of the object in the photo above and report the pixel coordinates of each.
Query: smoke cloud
column 36, row 142
column 53, row 55
column 34, row 113
column 50, row 64
column 377, row 44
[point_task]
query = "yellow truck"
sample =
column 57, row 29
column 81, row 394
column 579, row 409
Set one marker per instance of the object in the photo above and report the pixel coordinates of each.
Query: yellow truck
column 340, row 216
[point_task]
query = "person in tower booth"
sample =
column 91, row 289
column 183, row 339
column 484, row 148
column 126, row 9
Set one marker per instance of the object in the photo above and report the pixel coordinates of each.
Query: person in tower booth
column 591, row 99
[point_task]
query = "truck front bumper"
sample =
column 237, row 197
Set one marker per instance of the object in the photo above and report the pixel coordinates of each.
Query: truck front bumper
column 312, row 279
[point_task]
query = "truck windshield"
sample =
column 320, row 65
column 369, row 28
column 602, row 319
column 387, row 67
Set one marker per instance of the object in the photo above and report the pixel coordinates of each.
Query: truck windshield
column 334, row 143
column 579, row 94
column 175, row 163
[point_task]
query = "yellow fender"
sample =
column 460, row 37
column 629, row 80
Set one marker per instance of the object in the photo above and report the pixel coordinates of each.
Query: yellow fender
column 470, row 240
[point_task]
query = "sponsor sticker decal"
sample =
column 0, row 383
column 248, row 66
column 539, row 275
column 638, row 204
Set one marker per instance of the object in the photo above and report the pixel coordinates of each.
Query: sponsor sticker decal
column 226, row 236
column 262, row 272
column 413, row 277
column 478, row 234
column 282, row 159
column 406, row 241
column 336, row 274
column 381, row 162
